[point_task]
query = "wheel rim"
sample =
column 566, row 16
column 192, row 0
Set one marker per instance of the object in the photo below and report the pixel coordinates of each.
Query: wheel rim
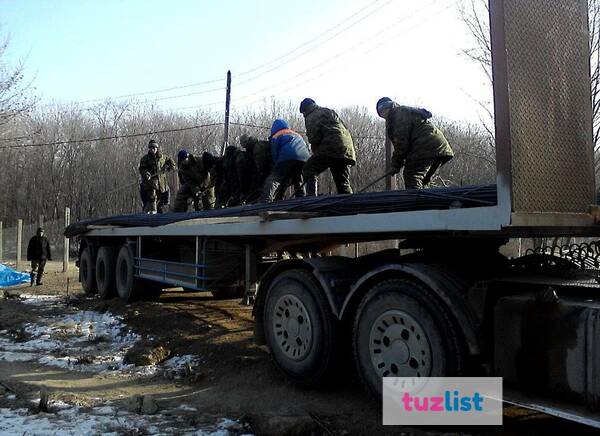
column 399, row 346
column 292, row 327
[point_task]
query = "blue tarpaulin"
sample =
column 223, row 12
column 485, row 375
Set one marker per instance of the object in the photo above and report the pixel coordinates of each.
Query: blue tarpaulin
column 10, row 277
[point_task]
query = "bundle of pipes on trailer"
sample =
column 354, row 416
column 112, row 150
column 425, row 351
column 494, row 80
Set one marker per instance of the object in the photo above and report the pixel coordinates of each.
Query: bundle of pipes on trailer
column 322, row 206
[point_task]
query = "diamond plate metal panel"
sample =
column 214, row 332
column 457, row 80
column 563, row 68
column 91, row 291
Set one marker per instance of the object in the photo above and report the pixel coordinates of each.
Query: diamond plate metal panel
column 549, row 105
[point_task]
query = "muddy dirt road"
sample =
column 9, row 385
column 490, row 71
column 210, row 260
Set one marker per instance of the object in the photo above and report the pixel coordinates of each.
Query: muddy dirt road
column 198, row 372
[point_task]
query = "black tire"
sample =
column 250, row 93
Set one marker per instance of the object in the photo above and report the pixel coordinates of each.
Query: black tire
column 87, row 275
column 127, row 284
column 227, row 293
column 404, row 314
column 105, row 272
column 296, row 307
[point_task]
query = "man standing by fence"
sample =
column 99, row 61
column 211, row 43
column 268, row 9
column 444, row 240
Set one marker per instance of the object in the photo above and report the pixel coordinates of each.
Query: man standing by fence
column 38, row 252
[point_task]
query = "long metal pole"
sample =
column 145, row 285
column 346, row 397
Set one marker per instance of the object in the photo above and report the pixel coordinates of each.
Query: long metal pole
column 1, row 248
column 227, row 103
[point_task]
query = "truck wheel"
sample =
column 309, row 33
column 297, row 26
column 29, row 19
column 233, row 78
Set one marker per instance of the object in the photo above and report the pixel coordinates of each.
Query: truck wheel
column 105, row 272
column 87, row 276
column 127, row 284
column 299, row 328
column 401, row 330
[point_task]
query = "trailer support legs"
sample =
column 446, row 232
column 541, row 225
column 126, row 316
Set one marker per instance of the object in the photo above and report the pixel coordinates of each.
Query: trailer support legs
column 250, row 276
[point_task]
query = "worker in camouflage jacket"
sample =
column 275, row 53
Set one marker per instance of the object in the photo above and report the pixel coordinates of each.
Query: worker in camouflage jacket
column 237, row 175
column 154, row 188
column 194, row 183
column 259, row 156
column 331, row 145
column 289, row 153
column 419, row 146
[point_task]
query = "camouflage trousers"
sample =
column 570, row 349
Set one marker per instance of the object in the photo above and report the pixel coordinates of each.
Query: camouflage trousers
column 340, row 171
column 283, row 175
column 37, row 268
column 417, row 174
column 154, row 201
column 204, row 201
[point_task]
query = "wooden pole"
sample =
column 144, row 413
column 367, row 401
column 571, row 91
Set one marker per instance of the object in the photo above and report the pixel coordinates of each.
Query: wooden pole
column 41, row 221
column 19, row 242
column 66, row 241
column 1, row 248
column 227, row 104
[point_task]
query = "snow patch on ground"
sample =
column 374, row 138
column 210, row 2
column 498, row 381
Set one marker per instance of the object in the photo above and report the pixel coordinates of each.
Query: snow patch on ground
column 40, row 299
column 85, row 341
column 102, row 420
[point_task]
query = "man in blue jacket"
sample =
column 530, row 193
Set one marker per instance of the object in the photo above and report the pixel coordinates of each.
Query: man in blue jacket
column 289, row 152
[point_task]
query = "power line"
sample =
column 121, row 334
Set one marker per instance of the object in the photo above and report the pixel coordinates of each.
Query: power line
column 16, row 138
column 156, row 91
column 310, row 49
column 251, row 70
column 104, row 138
column 339, row 55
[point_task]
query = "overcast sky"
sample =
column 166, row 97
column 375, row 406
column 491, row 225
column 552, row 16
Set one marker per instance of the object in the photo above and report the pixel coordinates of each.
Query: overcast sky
column 338, row 52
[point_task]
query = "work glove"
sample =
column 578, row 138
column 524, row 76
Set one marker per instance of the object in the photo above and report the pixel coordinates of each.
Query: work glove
column 168, row 167
column 147, row 176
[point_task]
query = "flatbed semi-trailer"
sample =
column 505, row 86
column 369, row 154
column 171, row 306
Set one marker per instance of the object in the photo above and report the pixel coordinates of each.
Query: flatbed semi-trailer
column 452, row 304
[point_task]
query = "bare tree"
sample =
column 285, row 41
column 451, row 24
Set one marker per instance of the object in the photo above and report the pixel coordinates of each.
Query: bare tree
column 14, row 98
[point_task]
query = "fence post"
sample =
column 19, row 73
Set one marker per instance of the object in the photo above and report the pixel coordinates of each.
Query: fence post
column 66, row 241
column 1, row 248
column 19, row 242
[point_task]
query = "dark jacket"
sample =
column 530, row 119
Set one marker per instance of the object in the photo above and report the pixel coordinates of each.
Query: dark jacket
column 157, row 165
column 286, row 144
column 414, row 137
column 193, row 175
column 327, row 134
column 262, row 163
column 38, row 248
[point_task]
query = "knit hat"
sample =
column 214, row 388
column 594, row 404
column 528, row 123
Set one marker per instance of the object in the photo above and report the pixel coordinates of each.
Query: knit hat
column 306, row 104
column 278, row 125
column 182, row 155
column 383, row 103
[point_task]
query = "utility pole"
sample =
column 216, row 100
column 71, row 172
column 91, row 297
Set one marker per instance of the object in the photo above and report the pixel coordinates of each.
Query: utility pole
column 227, row 102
